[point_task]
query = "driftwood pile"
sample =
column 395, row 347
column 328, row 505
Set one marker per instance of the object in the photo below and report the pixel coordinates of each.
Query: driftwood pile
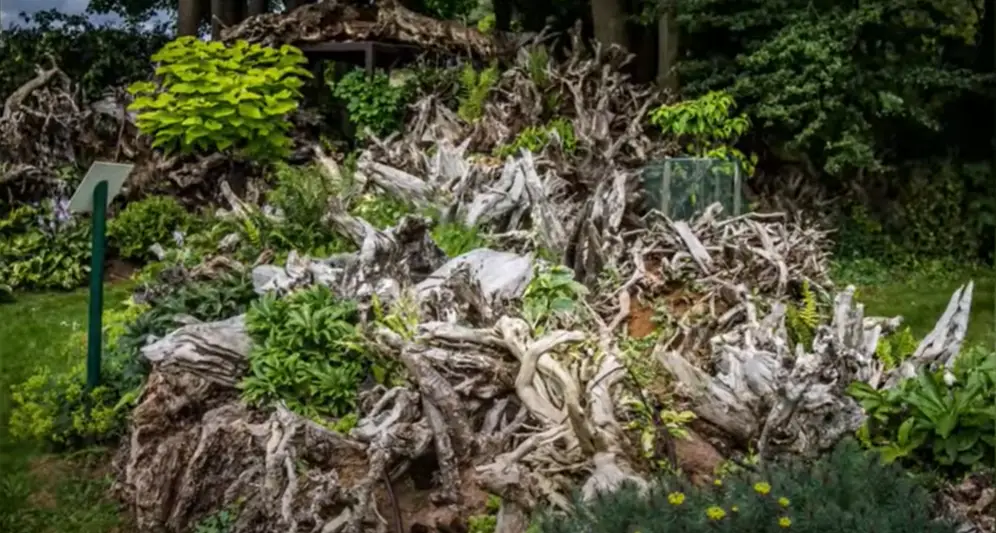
column 607, row 112
column 490, row 406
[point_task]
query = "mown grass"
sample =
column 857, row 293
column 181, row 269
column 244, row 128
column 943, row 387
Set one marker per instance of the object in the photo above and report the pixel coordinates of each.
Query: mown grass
column 39, row 492
column 921, row 295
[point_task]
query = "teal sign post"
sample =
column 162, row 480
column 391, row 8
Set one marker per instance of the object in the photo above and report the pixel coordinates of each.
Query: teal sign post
column 101, row 184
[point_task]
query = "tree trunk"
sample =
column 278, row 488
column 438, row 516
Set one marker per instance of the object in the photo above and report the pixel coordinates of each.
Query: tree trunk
column 235, row 11
column 667, row 46
column 188, row 17
column 608, row 18
column 256, row 7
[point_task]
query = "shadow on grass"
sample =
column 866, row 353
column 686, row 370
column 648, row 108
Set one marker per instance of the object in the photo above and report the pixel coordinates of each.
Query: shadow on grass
column 42, row 493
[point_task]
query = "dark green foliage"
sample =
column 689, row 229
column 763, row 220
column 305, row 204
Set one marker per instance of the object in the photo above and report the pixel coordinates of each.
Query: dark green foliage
column 308, row 353
column 908, row 219
column 926, row 422
column 448, row 9
column 831, row 83
column 848, row 491
column 43, row 247
column 154, row 220
column 95, row 56
column 373, row 103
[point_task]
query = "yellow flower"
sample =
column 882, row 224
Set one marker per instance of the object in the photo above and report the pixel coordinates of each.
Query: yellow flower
column 718, row 482
column 783, row 501
column 676, row 498
column 762, row 488
column 735, row 508
column 715, row 513
column 784, row 521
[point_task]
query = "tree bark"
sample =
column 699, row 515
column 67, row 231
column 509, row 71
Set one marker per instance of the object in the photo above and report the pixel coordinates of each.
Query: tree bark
column 188, row 17
column 667, row 46
column 608, row 18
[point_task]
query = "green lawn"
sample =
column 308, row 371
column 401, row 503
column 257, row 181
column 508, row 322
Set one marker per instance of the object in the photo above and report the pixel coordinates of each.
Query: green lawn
column 39, row 492
column 922, row 299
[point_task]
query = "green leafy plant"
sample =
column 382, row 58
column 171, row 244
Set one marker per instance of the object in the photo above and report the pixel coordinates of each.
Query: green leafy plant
column 535, row 138
column 927, row 422
column 379, row 210
column 803, row 317
column 222, row 521
column 893, row 349
column 308, row 353
column 552, row 296
column 848, row 490
column 215, row 97
column 43, row 247
column 707, row 128
column 474, row 90
column 373, row 102
column 646, row 423
column 154, row 220
column 455, row 239
column 301, row 196
column 488, row 521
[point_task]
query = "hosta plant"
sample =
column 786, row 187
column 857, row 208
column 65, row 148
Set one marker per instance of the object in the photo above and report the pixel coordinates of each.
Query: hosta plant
column 43, row 247
column 212, row 96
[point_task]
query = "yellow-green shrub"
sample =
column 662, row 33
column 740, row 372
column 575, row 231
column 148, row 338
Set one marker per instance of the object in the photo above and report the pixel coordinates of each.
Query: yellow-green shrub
column 215, row 97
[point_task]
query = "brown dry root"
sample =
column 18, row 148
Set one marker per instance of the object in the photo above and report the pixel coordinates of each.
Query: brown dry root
column 345, row 21
column 796, row 402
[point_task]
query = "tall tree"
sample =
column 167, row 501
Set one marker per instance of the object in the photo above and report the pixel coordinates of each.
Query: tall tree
column 609, row 20
column 667, row 45
column 188, row 17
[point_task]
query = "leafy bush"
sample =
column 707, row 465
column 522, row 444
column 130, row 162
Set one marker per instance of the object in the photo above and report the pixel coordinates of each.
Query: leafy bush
column 707, row 128
column 925, row 421
column 373, row 103
column 154, row 220
column 841, row 86
column 43, row 247
column 308, row 352
column 212, row 96
column 846, row 491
